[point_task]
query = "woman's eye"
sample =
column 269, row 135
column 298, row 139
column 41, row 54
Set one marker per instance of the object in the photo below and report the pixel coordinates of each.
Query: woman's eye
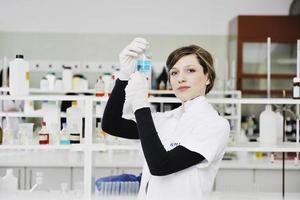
column 173, row 73
column 191, row 70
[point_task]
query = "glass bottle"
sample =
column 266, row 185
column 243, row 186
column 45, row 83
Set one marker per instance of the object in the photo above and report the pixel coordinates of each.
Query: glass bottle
column 43, row 134
column 100, row 87
column 64, row 135
column 111, row 86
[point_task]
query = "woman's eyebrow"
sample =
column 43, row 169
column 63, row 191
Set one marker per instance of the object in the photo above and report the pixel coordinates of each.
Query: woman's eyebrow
column 190, row 65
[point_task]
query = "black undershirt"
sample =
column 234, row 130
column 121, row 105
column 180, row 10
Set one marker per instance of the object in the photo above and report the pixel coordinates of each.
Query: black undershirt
column 160, row 161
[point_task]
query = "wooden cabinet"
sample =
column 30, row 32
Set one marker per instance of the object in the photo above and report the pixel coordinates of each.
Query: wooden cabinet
column 248, row 47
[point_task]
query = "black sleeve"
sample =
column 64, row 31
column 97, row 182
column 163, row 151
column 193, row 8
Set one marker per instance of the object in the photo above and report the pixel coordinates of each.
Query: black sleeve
column 160, row 161
column 112, row 121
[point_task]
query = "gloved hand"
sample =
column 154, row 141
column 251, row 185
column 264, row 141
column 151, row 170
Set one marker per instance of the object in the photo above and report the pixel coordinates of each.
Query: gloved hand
column 129, row 55
column 137, row 92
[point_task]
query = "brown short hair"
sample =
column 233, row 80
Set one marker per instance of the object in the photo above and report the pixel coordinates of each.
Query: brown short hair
column 204, row 57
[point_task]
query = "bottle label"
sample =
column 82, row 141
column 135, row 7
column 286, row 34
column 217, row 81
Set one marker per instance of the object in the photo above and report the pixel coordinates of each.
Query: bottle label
column 27, row 76
column 43, row 137
column 75, row 137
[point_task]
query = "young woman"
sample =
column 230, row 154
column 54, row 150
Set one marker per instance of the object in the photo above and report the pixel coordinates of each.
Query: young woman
column 183, row 147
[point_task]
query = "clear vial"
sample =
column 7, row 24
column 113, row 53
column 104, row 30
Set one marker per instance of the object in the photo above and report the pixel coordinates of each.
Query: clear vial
column 64, row 135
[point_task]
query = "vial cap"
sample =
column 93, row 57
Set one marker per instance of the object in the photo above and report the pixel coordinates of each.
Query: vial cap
column 20, row 56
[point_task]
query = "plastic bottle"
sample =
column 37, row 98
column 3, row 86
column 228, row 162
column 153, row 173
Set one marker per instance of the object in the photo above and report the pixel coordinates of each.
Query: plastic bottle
column 74, row 123
column 8, row 134
column 9, row 182
column 51, row 80
column 43, row 134
column 44, row 84
column 64, row 135
column 267, row 127
column 100, row 87
column 67, row 77
column 19, row 76
column 279, row 125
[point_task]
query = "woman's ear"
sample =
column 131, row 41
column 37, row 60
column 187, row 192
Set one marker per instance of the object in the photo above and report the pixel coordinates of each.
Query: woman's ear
column 207, row 82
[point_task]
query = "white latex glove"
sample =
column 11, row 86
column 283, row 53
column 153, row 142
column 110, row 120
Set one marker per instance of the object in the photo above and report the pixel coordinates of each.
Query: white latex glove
column 129, row 55
column 137, row 92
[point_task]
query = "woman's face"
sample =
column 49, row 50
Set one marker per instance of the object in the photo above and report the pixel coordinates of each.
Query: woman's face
column 187, row 78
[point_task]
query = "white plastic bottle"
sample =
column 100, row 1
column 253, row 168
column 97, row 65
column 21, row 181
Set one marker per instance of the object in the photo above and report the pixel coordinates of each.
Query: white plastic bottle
column 267, row 127
column 9, row 183
column 8, row 134
column 19, row 76
column 67, row 77
column 74, row 122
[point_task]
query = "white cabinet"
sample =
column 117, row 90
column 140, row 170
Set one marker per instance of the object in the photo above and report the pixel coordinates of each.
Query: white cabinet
column 18, row 172
column 228, row 180
column 53, row 177
column 79, row 170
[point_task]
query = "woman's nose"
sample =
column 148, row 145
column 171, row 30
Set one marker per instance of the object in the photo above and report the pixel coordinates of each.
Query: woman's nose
column 181, row 78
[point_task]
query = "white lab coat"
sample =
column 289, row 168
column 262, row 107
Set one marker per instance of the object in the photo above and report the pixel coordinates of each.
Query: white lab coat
column 198, row 127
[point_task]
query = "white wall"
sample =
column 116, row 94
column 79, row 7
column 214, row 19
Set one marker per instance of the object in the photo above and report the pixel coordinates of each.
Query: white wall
column 197, row 17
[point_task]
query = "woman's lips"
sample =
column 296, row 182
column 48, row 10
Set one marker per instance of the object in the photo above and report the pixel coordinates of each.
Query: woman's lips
column 183, row 88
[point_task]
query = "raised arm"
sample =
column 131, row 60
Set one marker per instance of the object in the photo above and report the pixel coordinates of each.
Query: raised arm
column 112, row 121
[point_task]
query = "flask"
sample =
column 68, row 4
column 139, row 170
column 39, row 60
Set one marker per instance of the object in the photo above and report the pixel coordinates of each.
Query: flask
column 43, row 134
column 9, row 182
column 267, row 127
column 100, row 87
column 64, row 135
column 296, row 88
column 19, row 76
column 74, row 123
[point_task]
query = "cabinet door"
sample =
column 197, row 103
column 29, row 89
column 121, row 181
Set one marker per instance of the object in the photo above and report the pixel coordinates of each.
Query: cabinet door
column 19, row 172
column 53, row 177
column 271, row 180
column 229, row 180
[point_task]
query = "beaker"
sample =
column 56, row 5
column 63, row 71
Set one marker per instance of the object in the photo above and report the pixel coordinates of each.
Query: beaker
column 25, row 133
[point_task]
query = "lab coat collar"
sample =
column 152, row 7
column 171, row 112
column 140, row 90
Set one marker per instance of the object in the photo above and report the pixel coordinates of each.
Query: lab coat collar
column 186, row 106
column 189, row 105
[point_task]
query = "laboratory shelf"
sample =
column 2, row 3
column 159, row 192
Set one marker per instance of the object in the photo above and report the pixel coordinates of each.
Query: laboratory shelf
column 119, row 159
column 36, row 147
column 242, row 147
column 255, row 146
